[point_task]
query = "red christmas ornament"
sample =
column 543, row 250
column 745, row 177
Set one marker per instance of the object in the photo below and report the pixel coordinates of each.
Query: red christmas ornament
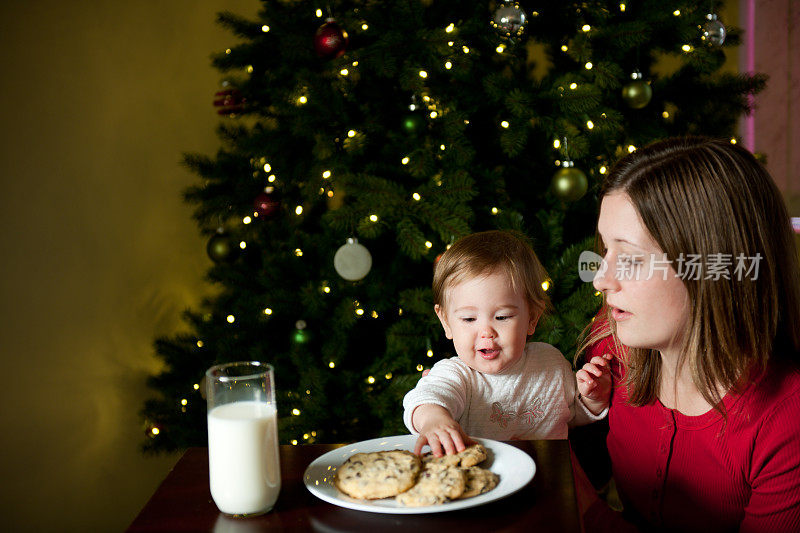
column 266, row 205
column 229, row 102
column 330, row 40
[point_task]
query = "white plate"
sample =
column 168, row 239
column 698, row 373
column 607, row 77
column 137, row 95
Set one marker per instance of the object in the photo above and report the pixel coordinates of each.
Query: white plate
column 515, row 468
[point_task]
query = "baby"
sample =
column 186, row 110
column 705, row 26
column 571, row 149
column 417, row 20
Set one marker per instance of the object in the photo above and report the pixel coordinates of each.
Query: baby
column 488, row 295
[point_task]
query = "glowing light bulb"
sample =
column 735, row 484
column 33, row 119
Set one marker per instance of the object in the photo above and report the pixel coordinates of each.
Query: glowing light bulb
column 505, row 124
column 298, row 210
column 423, row 74
column 405, row 160
column 586, row 28
column 267, row 311
column 588, row 65
column 545, row 285
column 603, row 169
column 373, row 218
column 556, row 144
column 364, row 26
column 416, row 196
column 326, row 174
column 371, row 379
column 589, row 124
column 331, row 364
column 295, row 411
column 230, row 319
column 351, row 133
column 573, row 85
column 495, row 210
column 564, row 47
column 450, row 28
column 242, row 245
column 199, row 344
column 448, row 65
column 265, row 28
column 428, row 244
column 298, row 252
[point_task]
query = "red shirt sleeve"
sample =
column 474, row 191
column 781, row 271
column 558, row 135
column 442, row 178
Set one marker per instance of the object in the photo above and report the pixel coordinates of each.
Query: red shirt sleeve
column 775, row 475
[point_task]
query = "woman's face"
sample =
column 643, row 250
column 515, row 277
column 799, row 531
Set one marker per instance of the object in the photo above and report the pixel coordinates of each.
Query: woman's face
column 648, row 301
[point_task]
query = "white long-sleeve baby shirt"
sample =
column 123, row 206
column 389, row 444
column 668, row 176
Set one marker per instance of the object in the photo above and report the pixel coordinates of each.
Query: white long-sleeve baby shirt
column 535, row 398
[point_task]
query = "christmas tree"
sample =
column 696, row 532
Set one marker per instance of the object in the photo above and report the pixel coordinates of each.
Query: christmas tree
column 360, row 138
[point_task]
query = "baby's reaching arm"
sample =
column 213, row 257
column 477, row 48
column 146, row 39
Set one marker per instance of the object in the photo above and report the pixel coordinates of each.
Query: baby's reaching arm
column 594, row 383
column 438, row 430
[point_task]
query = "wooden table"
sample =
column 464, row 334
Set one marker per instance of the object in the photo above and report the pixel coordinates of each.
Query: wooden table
column 183, row 501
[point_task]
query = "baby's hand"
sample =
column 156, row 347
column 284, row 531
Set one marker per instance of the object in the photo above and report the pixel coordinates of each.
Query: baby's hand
column 594, row 382
column 438, row 430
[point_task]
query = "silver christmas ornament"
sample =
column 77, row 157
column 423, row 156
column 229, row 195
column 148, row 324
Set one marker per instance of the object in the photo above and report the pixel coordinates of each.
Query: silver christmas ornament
column 509, row 19
column 352, row 261
column 714, row 31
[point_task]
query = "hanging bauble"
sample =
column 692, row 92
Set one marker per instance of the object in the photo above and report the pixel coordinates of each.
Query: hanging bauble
column 352, row 261
column 266, row 205
column 221, row 248
column 413, row 123
column 330, row 41
column 569, row 183
column 637, row 93
column 714, row 31
column 229, row 101
column 300, row 335
column 509, row 19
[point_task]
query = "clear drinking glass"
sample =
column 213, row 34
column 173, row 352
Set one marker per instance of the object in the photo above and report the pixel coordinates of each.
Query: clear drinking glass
column 243, row 461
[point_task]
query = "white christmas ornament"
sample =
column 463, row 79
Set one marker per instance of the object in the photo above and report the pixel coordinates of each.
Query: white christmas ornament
column 352, row 261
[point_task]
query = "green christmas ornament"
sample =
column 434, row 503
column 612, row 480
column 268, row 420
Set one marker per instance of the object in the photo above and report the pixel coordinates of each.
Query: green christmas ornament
column 638, row 92
column 413, row 123
column 300, row 334
column 221, row 248
column 569, row 183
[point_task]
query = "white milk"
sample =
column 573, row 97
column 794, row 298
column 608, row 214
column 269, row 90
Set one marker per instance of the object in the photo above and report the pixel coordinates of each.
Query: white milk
column 244, row 467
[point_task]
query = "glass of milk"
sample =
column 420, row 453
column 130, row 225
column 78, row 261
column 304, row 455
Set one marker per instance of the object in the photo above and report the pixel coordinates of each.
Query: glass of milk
column 243, row 461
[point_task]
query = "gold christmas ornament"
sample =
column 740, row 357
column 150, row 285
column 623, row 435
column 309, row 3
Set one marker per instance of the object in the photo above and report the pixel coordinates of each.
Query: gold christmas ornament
column 637, row 93
column 569, row 183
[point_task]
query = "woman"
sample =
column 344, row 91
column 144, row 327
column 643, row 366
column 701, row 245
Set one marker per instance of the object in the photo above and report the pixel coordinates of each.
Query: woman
column 702, row 288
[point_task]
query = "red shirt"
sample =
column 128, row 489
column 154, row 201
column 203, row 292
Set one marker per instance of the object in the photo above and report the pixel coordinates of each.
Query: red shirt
column 695, row 473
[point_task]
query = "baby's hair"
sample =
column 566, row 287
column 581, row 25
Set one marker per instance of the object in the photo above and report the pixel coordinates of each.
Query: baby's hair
column 487, row 252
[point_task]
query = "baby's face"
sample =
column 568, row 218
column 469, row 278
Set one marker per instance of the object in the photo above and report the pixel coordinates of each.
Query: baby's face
column 488, row 321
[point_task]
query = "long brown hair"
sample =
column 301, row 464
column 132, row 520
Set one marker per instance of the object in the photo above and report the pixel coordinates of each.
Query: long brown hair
column 704, row 196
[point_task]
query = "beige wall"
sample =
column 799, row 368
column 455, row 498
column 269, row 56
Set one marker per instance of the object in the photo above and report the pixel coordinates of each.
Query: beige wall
column 99, row 254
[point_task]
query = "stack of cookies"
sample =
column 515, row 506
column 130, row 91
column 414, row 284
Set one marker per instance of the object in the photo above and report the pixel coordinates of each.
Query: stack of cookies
column 415, row 481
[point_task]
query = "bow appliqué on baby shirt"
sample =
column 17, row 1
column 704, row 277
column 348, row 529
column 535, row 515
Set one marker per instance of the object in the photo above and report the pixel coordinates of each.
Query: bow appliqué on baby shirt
column 502, row 417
